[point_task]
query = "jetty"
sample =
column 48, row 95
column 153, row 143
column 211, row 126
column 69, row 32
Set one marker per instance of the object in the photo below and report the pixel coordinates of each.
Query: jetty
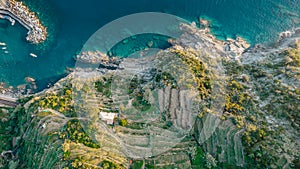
column 11, row 20
column 13, row 10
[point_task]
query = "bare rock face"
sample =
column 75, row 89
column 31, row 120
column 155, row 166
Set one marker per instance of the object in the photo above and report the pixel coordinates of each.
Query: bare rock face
column 201, row 39
column 204, row 22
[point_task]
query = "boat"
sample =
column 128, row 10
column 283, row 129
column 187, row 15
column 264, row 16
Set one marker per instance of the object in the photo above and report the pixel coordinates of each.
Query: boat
column 6, row 51
column 2, row 44
column 33, row 55
column 4, row 48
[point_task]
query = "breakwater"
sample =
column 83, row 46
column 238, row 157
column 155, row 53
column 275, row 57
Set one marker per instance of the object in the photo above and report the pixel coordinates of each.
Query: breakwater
column 14, row 10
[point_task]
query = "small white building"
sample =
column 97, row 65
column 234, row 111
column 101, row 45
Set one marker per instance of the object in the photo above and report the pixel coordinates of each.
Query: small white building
column 108, row 117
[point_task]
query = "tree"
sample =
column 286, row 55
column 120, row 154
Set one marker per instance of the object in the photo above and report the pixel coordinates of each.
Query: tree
column 123, row 122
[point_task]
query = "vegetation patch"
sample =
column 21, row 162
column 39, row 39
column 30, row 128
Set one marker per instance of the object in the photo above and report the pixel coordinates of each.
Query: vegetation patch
column 197, row 67
column 74, row 132
column 60, row 101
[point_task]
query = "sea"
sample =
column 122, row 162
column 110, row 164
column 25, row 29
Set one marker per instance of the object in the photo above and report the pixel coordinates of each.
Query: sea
column 71, row 23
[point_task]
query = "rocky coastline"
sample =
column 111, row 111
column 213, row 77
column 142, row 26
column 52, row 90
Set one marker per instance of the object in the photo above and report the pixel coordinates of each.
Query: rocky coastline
column 230, row 48
column 22, row 90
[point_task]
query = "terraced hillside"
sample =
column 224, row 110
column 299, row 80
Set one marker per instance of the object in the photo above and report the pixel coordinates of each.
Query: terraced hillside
column 193, row 105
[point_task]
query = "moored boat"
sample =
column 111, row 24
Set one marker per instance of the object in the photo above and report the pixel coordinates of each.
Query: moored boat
column 33, row 55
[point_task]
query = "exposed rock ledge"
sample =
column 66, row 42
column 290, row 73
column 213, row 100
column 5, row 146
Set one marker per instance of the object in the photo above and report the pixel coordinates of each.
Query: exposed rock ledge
column 191, row 37
column 202, row 39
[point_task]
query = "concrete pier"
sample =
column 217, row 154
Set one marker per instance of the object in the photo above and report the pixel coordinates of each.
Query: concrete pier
column 11, row 20
column 14, row 10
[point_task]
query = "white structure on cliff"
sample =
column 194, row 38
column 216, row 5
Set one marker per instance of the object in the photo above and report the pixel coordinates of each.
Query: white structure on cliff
column 108, row 117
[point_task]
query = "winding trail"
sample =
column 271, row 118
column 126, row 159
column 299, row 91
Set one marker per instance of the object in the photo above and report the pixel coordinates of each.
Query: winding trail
column 7, row 101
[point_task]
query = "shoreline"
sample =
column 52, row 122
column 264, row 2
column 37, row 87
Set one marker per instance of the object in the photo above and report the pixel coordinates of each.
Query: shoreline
column 229, row 48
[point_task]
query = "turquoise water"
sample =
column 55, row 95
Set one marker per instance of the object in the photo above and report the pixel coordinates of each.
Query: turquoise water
column 71, row 23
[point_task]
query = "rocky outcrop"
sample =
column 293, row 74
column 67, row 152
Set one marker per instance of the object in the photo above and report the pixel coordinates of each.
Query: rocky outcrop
column 201, row 39
column 99, row 59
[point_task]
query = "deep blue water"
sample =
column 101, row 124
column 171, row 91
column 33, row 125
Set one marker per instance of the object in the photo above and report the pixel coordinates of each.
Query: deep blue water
column 71, row 23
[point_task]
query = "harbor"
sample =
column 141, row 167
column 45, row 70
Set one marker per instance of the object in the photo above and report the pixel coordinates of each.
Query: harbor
column 16, row 11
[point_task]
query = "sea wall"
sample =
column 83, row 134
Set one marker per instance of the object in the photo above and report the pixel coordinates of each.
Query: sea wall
column 37, row 33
